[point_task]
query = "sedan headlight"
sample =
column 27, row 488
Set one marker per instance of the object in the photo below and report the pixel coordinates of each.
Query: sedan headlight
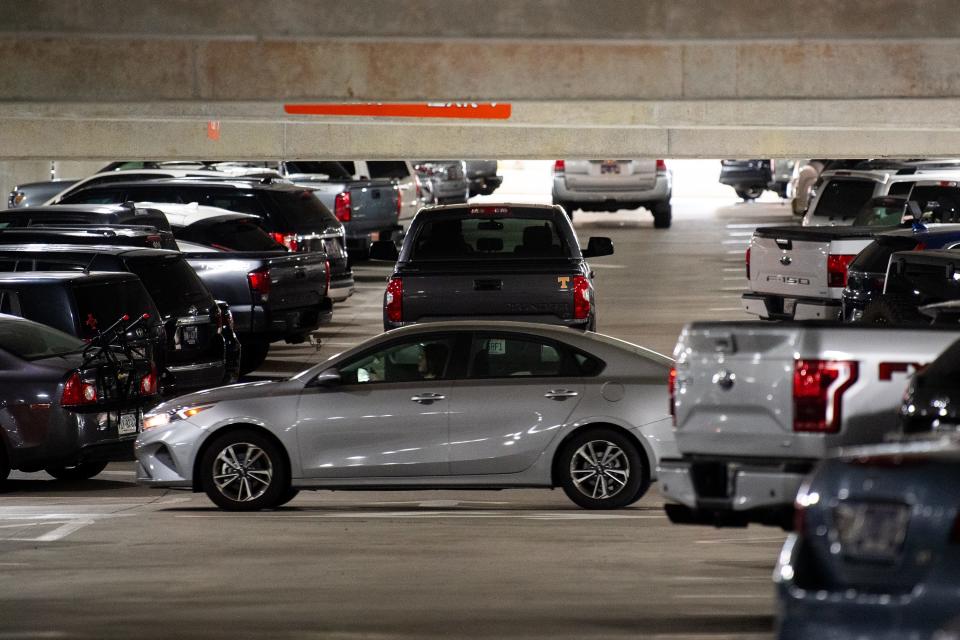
column 162, row 419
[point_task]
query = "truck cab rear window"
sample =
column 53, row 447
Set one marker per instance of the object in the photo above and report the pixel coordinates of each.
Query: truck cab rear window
column 843, row 198
column 488, row 238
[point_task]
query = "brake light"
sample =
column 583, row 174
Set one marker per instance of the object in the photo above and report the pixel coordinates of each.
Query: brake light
column 77, row 392
column 661, row 166
column 747, row 261
column 921, row 246
column 326, row 266
column 818, row 388
column 399, row 202
column 672, row 386
column 148, row 383
column 837, row 269
column 581, row 297
column 260, row 282
column 559, row 166
column 341, row 207
column 288, row 240
column 393, row 300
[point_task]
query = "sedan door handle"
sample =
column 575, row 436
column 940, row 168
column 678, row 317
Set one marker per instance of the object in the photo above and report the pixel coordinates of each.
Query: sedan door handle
column 428, row 398
column 560, row 394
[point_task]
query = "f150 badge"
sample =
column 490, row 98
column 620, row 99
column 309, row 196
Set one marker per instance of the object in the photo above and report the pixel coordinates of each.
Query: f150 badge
column 788, row 280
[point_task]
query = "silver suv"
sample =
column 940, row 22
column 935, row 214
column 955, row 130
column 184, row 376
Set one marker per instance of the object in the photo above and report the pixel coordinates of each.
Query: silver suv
column 611, row 185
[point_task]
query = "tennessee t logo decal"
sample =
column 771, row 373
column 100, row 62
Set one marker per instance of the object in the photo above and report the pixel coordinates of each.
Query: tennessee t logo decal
column 564, row 282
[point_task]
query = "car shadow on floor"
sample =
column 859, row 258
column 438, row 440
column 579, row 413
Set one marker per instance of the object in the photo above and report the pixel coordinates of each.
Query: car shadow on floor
column 50, row 486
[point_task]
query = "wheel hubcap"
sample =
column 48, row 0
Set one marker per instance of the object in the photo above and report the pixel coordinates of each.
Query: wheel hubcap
column 600, row 469
column 242, row 472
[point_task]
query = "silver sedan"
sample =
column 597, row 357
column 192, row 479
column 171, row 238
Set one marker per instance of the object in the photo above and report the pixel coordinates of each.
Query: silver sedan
column 448, row 405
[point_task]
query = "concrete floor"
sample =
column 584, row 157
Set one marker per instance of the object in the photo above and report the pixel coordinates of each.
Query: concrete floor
column 108, row 559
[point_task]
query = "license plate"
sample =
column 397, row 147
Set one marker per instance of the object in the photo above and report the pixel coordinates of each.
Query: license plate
column 129, row 423
column 610, row 166
column 190, row 335
column 871, row 531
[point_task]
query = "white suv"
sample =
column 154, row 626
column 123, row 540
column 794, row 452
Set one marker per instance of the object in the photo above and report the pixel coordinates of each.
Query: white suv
column 611, row 185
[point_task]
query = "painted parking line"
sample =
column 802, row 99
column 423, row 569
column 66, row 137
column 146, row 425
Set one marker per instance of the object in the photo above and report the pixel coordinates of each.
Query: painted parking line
column 427, row 515
column 747, row 540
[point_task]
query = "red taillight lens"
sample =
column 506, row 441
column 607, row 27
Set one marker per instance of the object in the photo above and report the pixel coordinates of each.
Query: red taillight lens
column 260, row 282
column 148, row 383
column 672, row 386
column 341, row 207
column 747, row 261
column 581, row 297
column 837, row 269
column 326, row 266
column 559, row 166
column 399, row 203
column 393, row 300
column 288, row 240
column 661, row 166
column 77, row 392
column 921, row 246
column 818, row 388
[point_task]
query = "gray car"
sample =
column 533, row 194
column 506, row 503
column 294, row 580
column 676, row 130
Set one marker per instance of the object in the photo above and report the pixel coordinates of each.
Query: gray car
column 448, row 405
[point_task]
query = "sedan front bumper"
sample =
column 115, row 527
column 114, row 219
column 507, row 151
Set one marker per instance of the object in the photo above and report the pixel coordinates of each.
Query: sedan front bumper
column 166, row 455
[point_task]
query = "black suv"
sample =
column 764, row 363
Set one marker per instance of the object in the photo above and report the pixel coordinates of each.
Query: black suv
column 294, row 216
column 194, row 354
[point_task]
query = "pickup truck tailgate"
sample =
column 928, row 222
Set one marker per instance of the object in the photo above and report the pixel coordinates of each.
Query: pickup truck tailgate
column 297, row 280
column 794, row 261
column 502, row 289
column 735, row 385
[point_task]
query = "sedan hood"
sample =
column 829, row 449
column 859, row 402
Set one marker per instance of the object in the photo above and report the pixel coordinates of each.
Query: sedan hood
column 243, row 391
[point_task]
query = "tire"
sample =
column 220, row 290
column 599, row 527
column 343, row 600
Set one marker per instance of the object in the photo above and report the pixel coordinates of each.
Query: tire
column 252, row 354
column 82, row 471
column 599, row 444
column 891, row 311
column 750, row 193
column 244, row 471
column 4, row 465
column 662, row 215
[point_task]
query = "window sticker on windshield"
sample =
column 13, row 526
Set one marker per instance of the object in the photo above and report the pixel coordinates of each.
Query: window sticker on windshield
column 496, row 346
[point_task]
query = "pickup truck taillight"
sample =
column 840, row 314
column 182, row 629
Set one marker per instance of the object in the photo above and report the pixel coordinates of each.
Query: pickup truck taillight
column 341, row 207
column 399, row 201
column 148, row 383
column 837, row 269
column 672, row 386
column 559, row 166
column 661, row 166
column 260, row 282
column 393, row 300
column 581, row 298
column 747, row 261
column 77, row 392
column 818, row 388
column 288, row 240
column 326, row 268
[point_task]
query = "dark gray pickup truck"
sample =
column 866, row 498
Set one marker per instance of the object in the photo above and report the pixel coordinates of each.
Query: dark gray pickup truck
column 499, row 261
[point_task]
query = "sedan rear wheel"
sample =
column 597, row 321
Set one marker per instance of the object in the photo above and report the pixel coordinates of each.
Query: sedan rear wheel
column 602, row 469
column 244, row 471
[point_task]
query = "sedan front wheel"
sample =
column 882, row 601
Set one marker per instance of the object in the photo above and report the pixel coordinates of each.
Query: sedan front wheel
column 244, row 471
column 602, row 469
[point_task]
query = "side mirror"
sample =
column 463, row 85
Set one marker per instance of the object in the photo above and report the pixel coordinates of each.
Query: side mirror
column 384, row 250
column 597, row 247
column 327, row 378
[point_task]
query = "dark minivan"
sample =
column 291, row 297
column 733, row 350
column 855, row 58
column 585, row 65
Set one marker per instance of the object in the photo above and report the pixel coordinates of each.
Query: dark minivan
column 194, row 354
column 293, row 215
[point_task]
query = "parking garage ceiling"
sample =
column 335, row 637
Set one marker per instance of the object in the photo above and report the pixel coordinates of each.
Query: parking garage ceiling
column 659, row 78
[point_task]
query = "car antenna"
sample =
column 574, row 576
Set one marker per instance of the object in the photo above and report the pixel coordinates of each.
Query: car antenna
column 86, row 269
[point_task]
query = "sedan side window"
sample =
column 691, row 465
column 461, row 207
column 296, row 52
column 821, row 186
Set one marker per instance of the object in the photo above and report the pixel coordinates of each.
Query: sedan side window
column 405, row 362
column 509, row 356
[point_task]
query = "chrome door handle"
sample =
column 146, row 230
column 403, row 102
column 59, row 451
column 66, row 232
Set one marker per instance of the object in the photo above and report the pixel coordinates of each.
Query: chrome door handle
column 427, row 398
column 560, row 394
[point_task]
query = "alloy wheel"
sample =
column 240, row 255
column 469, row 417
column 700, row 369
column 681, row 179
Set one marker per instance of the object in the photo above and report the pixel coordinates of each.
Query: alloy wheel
column 599, row 469
column 242, row 472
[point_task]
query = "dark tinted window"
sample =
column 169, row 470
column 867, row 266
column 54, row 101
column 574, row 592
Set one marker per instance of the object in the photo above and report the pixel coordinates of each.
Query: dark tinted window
column 32, row 341
column 232, row 235
column 937, row 204
column 487, row 237
column 96, row 195
column 239, row 201
column 299, row 212
column 395, row 169
column 843, row 198
column 900, row 188
column 10, row 303
column 507, row 356
column 336, row 170
column 876, row 255
column 172, row 283
column 100, row 305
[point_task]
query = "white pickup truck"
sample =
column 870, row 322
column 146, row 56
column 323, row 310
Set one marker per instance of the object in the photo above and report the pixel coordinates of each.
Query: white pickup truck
column 799, row 273
column 757, row 404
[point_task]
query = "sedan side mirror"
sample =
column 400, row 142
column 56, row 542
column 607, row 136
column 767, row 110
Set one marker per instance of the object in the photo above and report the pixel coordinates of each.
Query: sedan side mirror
column 598, row 246
column 327, row 378
column 384, row 250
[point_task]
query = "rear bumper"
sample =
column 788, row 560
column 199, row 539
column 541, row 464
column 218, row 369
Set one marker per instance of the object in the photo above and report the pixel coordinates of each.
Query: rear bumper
column 733, row 494
column 773, row 307
column 660, row 192
column 582, row 325
column 341, row 287
column 279, row 324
